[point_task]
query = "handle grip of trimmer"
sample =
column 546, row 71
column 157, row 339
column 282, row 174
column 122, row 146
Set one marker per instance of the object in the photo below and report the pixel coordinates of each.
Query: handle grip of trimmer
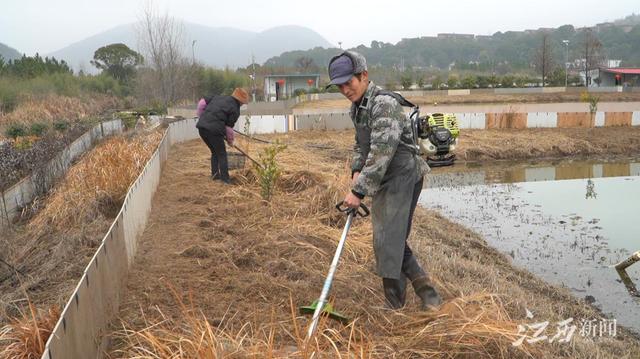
column 362, row 211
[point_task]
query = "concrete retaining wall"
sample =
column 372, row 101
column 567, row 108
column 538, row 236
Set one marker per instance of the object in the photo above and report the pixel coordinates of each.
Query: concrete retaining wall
column 542, row 119
column 514, row 91
column 471, row 120
column 39, row 182
column 506, row 120
column 84, row 321
column 284, row 107
column 263, row 124
column 599, row 119
column 575, row 119
column 635, row 119
column 618, row 118
column 458, row 92
column 326, row 121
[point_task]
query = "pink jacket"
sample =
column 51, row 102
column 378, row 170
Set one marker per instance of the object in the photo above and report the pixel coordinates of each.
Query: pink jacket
column 202, row 104
column 229, row 134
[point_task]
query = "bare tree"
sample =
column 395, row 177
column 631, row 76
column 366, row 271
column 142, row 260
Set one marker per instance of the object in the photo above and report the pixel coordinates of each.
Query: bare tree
column 161, row 39
column 304, row 63
column 544, row 60
column 592, row 54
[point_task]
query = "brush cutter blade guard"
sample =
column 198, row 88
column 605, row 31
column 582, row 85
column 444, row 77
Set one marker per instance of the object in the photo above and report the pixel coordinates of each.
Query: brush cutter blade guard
column 327, row 311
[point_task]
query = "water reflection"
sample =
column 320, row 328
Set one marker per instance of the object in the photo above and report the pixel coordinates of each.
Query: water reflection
column 591, row 192
column 510, row 172
column 568, row 231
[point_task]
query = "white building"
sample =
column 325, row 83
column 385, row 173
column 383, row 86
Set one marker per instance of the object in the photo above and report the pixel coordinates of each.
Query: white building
column 281, row 87
column 626, row 77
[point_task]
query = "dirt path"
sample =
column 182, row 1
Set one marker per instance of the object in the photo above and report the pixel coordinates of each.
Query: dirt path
column 242, row 261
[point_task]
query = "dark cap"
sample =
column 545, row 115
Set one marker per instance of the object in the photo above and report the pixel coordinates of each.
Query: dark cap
column 344, row 66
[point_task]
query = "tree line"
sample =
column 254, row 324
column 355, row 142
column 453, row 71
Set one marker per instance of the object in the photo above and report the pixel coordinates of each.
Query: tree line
column 538, row 53
column 30, row 67
column 159, row 76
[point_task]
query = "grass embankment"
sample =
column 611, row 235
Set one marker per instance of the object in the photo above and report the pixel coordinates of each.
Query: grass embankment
column 41, row 127
column 58, row 236
column 220, row 272
column 54, row 111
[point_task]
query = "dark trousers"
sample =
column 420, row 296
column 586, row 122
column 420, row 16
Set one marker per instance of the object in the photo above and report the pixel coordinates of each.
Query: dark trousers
column 219, row 163
column 414, row 201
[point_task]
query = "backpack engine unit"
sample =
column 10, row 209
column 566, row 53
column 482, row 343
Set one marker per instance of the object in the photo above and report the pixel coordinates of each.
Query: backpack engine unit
column 438, row 137
column 434, row 135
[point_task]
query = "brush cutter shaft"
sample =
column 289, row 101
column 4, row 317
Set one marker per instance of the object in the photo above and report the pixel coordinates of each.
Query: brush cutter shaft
column 327, row 283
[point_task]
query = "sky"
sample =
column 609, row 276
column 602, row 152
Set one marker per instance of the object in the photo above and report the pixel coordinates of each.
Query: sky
column 32, row 26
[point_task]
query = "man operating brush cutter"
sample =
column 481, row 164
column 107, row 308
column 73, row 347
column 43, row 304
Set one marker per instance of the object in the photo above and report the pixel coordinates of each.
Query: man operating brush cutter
column 387, row 167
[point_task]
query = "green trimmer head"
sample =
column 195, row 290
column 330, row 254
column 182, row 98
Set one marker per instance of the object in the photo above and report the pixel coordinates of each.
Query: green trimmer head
column 327, row 310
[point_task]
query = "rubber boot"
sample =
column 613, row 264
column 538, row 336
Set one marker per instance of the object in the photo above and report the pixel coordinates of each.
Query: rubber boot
column 421, row 284
column 427, row 294
column 395, row 291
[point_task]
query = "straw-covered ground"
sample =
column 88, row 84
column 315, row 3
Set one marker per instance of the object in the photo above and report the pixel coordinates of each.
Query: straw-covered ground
column 46, row 252
column 220, row 272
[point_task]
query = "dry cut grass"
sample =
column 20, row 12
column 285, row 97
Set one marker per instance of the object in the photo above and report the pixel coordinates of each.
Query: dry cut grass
column 98, row 183
column 26, row 335
column 240, row 258
column 475, row 326
column 300, row 220
column 53, row 248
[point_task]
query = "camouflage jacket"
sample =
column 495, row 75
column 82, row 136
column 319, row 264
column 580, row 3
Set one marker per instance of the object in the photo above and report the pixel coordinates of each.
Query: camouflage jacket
column 382, row 133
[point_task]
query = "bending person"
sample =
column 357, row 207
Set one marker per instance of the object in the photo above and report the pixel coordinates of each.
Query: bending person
column 217, row 116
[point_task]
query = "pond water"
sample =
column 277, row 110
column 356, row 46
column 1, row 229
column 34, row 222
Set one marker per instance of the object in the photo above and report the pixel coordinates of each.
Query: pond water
column 567, row 222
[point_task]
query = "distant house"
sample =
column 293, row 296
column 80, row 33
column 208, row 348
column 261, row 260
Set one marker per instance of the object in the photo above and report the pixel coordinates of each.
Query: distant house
column 280, row 87
column 610, row 77
column 456, row 36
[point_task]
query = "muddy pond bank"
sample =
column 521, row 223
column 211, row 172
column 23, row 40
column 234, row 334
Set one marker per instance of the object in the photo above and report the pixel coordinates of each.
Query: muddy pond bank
column 568, row 222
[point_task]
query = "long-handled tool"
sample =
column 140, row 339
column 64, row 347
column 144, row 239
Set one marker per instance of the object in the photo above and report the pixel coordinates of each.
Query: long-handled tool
column 251, row 137
column 321, row 306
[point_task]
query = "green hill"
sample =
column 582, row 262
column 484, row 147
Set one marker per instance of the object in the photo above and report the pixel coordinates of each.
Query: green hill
column 8, row 53
column 501, row 53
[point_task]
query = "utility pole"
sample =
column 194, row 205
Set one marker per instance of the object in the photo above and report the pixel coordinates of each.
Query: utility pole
column 193, row 52
column 253, row 77
column 566, row 63
column 193, row 67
